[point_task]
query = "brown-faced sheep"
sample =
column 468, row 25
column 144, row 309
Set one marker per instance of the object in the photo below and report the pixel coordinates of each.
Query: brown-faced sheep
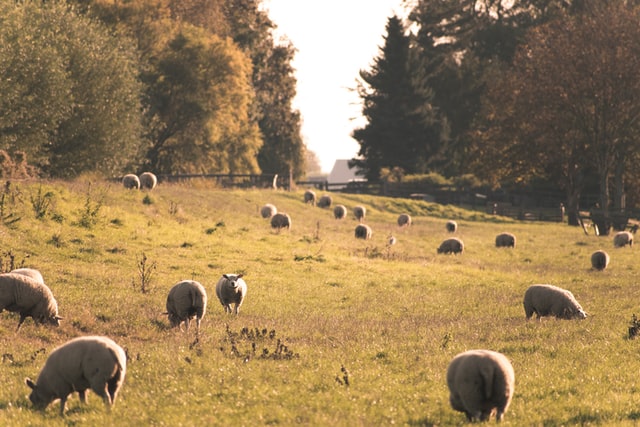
column 363, row 231
column 148, row 181
column 623, row 238
column 310, row 197
column 505, row 240
column 231, row 289
column 131, row 182
column 600, row 260
column 360, row 212
column 481, row 383
column 404, row 220
column 268, row 210
column 451, row 246
column 187, row 299
column 29, row 297
column 549, row 300
column 339, row 212
column 281, row 220
column 325, row 201
column 92, row 362
column 451, row 226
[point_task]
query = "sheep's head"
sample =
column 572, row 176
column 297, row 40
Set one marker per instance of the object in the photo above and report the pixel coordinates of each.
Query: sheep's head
column 232, row 279
column 38, row 400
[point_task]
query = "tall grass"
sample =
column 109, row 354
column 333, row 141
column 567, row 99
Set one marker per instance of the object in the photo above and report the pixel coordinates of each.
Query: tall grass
column 334, row 330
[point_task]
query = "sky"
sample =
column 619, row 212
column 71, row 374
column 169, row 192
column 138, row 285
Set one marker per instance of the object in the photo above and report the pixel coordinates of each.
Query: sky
column 334, row 39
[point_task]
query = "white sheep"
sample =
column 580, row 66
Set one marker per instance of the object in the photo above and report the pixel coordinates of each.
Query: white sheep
column 131, row 181
column 622, row 239
column 505, row 240
column 30, row 272
column 451, row 226
column 549, row 300
column 187, row 299
column 281, row 220
column 148, row 181
column 231, row 289
column 481, row 383
column 600, row 260
column 339, row 212
column 451, row 246
column 91, row 362
column 363, row 231
column 268, row 210
column 310, row 197
column 29, row 297
column 404, row 220
column 360, row 212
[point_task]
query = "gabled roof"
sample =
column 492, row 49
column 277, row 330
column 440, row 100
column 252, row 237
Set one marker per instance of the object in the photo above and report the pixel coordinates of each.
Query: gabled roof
column 342, row 174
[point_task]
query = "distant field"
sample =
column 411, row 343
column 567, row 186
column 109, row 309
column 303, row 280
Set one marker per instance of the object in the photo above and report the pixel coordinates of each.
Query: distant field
column 334, row 330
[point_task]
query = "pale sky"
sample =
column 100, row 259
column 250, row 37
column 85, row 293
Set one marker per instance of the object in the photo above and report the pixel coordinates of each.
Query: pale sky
column 335, row 39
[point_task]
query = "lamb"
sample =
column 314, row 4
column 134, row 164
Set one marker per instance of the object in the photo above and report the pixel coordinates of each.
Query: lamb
column 623, row 238
column 310, row 197
column 231, row 289
column 131, row 181
column 481, row 383
column 281, row 220
column 268, row 210
column 187, row 299
column 325, row 201
column 339, row 212
column 549, row 300
column 505, row 240
column 30, row 272
column 22, row 294
column 91, row 362
column 600, row 260
column 404, row 220
column 363, row 231
column 451, row 246
column 148, row 181
column 360, row 212
column 451, row 226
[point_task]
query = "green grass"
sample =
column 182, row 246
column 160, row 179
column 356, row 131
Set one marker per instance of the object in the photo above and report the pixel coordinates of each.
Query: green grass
column 334, row 330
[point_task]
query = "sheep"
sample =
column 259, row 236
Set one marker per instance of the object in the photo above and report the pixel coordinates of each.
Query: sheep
column 622, row 239
column 360, row 212
column 29, row 297
column 268, row 210
column 363, row 231
column 131, row 181
column 451, row 226
column 231, row 289
column 187, row 299
column 505, row 240
column 325, row 201
column 339, row 212
column 404, row 220
column 600, row 260
column 310, row 197
column 30, row 272
column 481, row 383
column 90, row 362
column 281, row 220
column 549, row 300
column 391, row 240
column 148, row 181
column 451, row 246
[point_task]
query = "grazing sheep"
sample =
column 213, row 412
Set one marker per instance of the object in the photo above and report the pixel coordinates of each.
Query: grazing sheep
column 92, row 362
column 451, row 226
column 622, row 239
column 22, row 294
column 360, row 212
column 131, row 181
column 600, row 260
column 451, row 246
column 30, row 272
column 505, row 240
column 363, row 231
column 404, row 220
column 187, row 299
column 148, row 181
column 549, row 300
column 325, row 201
column 231, row 289
column 481, row 383
column 281, row 220
column 310, row 197
column 268, row 210
column 340, row 212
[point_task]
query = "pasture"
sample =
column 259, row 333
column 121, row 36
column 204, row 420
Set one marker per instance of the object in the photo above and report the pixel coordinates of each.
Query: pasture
column 334, row 330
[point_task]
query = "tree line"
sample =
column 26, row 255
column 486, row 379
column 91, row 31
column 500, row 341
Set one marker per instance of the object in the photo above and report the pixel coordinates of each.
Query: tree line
column 171, row 86
column 530, row 93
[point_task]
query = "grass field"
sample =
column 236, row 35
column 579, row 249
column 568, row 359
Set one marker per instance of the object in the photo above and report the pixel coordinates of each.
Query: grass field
column 334, row 331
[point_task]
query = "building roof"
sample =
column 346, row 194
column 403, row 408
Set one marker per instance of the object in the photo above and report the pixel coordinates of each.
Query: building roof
column 342, row 174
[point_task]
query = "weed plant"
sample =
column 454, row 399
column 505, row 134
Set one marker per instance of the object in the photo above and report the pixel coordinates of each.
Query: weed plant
column 334, row 330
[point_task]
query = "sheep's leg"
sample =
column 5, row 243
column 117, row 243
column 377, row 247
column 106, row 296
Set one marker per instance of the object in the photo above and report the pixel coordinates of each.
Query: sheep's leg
column 63, row 403
column 21, row 321
column 82, row 394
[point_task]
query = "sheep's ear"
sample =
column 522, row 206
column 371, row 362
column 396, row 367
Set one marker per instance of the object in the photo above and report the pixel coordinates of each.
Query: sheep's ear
column 30, row 383
column 226, row 277
column 239, row 276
